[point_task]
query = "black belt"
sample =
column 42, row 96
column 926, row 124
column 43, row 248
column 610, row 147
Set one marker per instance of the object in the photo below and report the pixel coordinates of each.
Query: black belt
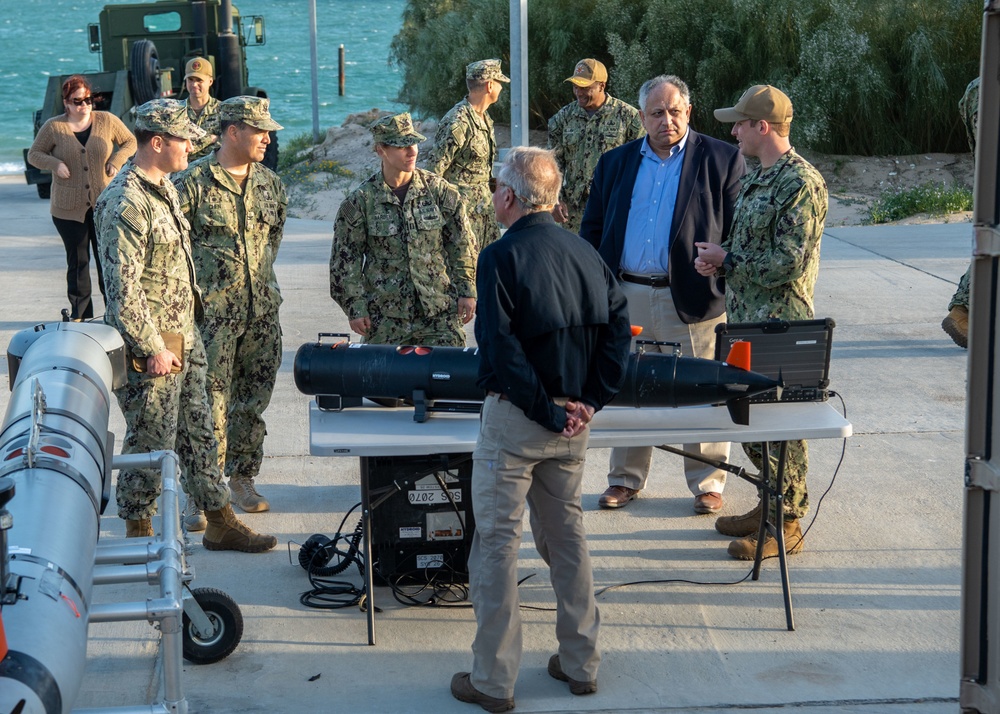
column 653, row 281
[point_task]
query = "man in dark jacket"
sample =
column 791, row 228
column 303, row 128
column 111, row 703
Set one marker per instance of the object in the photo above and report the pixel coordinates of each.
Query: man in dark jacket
column 651, row 199
column 553, row 335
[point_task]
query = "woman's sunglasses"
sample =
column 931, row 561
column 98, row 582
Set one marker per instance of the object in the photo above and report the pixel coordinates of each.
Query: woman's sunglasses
column 81, row 102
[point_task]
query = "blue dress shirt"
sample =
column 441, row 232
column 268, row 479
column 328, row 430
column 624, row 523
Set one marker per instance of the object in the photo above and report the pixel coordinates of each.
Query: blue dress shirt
column 647, row 235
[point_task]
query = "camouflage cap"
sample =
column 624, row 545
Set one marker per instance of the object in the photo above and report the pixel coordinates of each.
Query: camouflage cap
column 198, row 67
column 761, row 101
column 485, row 70
column 587, row 72
column 167, row 116
column 249, row 110
column 396, row 130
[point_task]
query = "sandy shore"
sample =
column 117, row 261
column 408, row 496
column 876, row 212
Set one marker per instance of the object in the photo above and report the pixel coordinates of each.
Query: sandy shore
column 854, row 181
column 315, row 191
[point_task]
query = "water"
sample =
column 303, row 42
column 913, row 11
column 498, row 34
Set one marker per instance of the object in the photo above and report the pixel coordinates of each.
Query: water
column 35, row 50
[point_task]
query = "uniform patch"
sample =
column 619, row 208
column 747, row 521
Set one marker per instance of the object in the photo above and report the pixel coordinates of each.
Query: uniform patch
column 131, row 217
column 351, row 213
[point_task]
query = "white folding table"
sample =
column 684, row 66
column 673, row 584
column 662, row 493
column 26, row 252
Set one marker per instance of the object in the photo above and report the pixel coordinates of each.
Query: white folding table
column 373, row 430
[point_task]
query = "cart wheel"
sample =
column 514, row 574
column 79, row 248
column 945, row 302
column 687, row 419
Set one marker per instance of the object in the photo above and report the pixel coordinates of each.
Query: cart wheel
column 227, row 620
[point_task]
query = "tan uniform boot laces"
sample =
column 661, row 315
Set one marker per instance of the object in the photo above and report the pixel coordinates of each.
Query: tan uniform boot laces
column 246, row 497
column 739, row 526
column 226, row 532
column 746, row 548
column 139, row 528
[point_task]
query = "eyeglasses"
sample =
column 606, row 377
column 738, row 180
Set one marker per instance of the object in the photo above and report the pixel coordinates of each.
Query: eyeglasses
column 81, row 102
column 494, row 185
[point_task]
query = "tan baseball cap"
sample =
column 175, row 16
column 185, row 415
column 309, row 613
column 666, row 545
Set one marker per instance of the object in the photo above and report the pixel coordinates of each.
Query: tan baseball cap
column 761, row 101
column 167, row 116
column 199, row 67
column 588, row 72
column 249, row 110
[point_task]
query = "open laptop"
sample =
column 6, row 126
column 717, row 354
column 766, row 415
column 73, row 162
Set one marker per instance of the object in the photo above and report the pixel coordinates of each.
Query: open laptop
column 797, row 352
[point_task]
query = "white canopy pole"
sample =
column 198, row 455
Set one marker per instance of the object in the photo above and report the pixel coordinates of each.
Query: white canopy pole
column 519, row 72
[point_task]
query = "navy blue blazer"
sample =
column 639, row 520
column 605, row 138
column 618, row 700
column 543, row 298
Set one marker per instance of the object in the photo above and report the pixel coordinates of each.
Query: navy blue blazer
column 709, row 184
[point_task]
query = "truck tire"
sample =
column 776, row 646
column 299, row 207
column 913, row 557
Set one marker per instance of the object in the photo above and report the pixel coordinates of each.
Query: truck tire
column 271, row 153
column 144, row 72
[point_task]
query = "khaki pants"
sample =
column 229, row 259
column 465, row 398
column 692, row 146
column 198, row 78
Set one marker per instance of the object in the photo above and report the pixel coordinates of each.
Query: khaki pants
column 516, row 461
column 653, row 309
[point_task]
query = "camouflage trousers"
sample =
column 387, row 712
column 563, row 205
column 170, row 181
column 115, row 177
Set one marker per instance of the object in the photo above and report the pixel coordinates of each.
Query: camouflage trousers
column 961, row 296
column 170, row 412
column 482, row 217
column 243, row 361
column 796, row 498
column 443, row 330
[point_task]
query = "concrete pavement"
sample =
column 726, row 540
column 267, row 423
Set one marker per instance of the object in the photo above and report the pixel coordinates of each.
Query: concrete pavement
column 876, row 590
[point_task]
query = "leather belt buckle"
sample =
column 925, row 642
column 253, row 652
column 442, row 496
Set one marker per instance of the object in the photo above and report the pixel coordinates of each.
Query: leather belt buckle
column 653, row 281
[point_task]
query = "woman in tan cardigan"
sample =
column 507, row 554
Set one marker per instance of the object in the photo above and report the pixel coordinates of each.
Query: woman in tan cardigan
column 83, row 149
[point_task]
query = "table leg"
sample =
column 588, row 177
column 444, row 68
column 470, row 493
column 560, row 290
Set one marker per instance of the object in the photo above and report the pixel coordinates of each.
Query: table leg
column 780, row 533
column 366, row 528
column 765, row 498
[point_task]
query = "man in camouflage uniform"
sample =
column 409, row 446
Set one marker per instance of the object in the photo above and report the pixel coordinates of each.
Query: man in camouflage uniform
column 770, row 261
column 956, row 323
column 202, row 107
column 150, row 280
column 582, row 131
column 402, row 264
column 236, row 208
column 465, row 148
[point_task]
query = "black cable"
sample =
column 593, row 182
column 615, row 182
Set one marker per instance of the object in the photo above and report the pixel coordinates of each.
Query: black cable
column 442, row 588
column 327, row 593
column 668, row 581
column 843, row 453
column 836, row 470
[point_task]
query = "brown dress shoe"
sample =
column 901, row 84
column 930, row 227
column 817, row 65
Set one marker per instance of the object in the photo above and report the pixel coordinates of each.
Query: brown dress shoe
column 746, row 548
column 710, row 502
column 463, row 691
column 617, row 496
column 575, row 686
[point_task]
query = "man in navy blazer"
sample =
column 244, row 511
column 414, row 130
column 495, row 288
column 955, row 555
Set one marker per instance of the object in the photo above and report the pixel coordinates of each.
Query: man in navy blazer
column 650, row 200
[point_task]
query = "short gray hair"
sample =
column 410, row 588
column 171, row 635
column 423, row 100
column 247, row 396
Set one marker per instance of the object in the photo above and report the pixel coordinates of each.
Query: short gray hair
column 533, row 175
column 651, row 84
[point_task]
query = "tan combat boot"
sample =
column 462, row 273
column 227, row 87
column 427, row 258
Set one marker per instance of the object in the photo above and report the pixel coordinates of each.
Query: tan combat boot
column 746, row 548
column 139, row 528
column 246, row 497
column 193, row 517
column 956, row 324
column 739, row 526
column 225, row 532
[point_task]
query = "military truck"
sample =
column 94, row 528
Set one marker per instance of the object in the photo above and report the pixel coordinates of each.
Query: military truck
column 144, row 47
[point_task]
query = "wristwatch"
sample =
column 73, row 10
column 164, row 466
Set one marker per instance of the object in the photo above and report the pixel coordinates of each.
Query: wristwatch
column 728, row 263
